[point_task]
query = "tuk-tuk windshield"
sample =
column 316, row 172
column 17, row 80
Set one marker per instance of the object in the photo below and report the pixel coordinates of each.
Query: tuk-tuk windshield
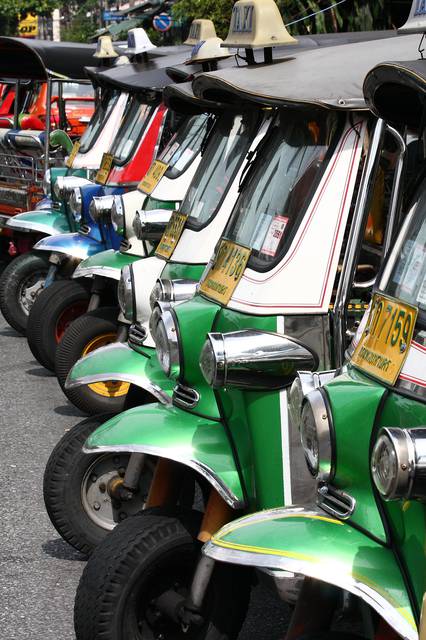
column 281, row 183
column 184, row 146
column 404, row 276
column 227, row 147
column 135, row 120
column 100, row 117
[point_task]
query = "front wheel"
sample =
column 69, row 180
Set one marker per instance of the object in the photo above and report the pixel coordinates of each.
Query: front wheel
column 55, row 308
column 87, row 333
column 82, row 491
column 144, row 558
column 20, row 284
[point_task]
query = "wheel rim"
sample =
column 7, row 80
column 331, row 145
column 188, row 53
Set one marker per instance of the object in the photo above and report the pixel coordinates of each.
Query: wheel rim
column 141, row 618
column 67, row 316
column 111, row 388
column 96, row 496
column 29, row 289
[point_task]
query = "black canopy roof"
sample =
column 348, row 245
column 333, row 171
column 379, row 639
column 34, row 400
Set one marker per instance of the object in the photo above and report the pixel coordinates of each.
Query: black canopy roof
column 39, row 59
column 396, row 91
column 180, row 97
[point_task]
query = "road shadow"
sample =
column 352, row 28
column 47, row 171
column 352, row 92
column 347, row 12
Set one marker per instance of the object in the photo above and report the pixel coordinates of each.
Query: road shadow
column 69, row 410
column 40, row 372
column 61, row 550
column 9, row 332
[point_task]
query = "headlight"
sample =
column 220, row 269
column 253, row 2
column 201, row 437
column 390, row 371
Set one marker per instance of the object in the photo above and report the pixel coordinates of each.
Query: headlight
column 251, row 359
column 150, row 225
column 165, row 335
column 117, row 214
column 316, row 436
column 125, row 293
column 398, row 463
column 100, row 209
column 64, row 185
column 174, row 291
column 76, row 204
column 304, row 383
column 47, row 183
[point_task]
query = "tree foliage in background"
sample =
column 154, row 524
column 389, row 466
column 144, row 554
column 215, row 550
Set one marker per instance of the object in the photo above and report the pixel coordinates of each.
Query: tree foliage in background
column 351, row 15
column 11, row 9
column 78, row 27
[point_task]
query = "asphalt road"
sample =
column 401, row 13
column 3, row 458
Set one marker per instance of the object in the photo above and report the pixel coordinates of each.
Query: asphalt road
column 38, row 571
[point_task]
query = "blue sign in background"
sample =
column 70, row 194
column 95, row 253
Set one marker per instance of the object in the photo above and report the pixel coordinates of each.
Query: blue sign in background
column 162, row 22
column 110, row 16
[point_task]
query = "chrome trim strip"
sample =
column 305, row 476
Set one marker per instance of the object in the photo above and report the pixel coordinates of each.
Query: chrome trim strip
column 98, row 270
column 139, row 381
column 173, row 454
column 319, row 571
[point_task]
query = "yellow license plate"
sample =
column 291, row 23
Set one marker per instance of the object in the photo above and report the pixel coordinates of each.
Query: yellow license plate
column 71, row 157
column 153, row 177
column 384, row 344
column 226, row 271
column 105, row 168
column 171, row 235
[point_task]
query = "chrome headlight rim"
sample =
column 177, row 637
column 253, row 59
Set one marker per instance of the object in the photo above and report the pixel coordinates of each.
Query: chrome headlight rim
column 47, row 183
column 117, row 214
column 398, row 444
column 58, row 187
column 168, row 323
column 75, row 203
column 100, row 209
column 212, row 360
column 173, row 291
column 126, row 293
column 318, row 404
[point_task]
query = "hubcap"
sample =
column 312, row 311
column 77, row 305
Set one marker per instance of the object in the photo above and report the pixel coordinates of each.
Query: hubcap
column 29, row 290
column 99, row 493
column 71, row 313
column 111, row 388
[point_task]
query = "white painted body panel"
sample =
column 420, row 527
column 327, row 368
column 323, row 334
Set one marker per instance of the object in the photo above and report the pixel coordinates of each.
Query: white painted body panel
column 302, row 282
column 93, row 158
column 145, row 274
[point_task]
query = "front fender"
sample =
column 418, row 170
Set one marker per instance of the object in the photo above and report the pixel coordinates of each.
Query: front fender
column 47, row 221
column 71, row 244
column 106, row 263
column 309, row 542
column 119, row 362
column 169, row 432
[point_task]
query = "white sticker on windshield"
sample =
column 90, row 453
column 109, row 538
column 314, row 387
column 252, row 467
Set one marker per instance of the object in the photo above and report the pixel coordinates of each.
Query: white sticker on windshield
column 184, row 159
column 274, row 235
column 169, row 152
column 414, row 268
column 127, row 148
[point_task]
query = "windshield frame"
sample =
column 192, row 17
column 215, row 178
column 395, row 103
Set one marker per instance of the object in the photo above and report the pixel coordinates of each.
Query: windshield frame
column 256, row 117
column 258, row 166
column 112, row 98
column 129, row 114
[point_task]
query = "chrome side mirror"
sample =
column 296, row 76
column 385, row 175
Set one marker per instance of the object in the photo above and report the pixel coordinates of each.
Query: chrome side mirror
column 150, row 225
column 251, row 359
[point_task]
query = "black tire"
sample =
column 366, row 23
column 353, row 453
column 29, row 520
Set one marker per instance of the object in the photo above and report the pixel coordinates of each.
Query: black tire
column 47, row 314
column 69, row 488
column 330, row 635
column 92, row 326
column 143, row 557
column 24, row 272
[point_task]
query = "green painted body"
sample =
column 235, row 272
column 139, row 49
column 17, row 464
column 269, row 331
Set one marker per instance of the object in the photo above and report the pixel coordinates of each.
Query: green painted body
column 173, row 434
column 122, row 363
column 318, row 546
column 109, row 260
column 177, row 270
column 47, row 221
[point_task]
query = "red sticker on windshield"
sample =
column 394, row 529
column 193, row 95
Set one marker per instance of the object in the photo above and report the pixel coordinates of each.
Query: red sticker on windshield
column 274, row 235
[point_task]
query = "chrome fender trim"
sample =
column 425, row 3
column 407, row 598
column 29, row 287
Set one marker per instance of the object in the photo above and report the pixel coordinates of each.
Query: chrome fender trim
column 140, row 381
column 28, row 227
column 172, row 454
column 99, row 270
column 309, row 566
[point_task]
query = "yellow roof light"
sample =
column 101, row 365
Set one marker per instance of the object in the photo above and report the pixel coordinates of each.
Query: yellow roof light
column 200, row 30
column 104, row 48
column 257, row 24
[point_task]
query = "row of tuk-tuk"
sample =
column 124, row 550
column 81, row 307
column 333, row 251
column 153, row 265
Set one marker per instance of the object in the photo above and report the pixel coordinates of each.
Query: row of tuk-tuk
column 228, row 276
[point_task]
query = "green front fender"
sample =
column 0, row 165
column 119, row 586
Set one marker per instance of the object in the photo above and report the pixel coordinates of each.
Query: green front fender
column 309, row 542
column 118, row 361
column 47, row 221
column 169, row 432
column 106, row 263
